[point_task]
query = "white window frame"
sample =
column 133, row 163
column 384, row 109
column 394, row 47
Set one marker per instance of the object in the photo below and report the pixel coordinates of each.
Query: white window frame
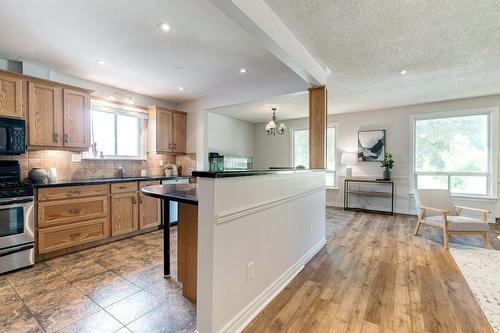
column 292, row 150
column 117, row 109
column 492, row 172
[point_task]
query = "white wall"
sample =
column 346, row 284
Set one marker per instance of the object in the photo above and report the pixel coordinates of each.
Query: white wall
column 242, row 220
column 100, row 90
column 229, row 136
column 273, row 151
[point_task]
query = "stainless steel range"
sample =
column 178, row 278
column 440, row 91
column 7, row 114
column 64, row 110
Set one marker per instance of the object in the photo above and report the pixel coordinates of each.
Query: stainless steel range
column 17, row 237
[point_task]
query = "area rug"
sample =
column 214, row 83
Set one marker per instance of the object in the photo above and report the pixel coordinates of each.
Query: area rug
column 481, row 269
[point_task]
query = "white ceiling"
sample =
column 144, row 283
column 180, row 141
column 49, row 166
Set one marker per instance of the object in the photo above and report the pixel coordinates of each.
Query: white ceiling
column 288, row 107
column 451, row 48
column 69, row 36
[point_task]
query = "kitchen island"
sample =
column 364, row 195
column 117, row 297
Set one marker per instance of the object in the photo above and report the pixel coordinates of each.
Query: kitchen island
column 185, row 195
column 255, row 230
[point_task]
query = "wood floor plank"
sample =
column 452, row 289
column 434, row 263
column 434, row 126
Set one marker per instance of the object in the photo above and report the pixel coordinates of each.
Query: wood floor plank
column 375, row 276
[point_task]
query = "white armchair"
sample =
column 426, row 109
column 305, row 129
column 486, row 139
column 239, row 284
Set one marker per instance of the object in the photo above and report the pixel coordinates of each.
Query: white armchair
column 435, row 208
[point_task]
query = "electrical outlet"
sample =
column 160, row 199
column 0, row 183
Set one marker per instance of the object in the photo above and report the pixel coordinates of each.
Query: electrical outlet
column 250, row 271
column 310, row 229
column 160, row 162
column 76, row 158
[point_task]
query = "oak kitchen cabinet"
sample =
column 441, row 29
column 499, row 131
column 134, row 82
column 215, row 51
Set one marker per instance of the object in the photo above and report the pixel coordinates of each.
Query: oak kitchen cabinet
column 124, row 208
column 11, row 96
column 70, row 216
column 166, row 130
column 58, row 117
column 149, row 208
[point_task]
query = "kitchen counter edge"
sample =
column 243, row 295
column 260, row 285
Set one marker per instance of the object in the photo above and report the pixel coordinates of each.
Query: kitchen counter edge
column 104, row 181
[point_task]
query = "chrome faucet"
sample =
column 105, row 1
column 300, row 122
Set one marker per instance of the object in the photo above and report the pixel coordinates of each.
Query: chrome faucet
column 121, row 172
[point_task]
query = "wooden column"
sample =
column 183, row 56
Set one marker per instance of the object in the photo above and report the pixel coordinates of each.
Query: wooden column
column 317, row 127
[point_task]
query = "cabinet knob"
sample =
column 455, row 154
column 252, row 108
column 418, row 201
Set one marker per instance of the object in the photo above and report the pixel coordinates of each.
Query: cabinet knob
column 134, row 201
column 170, row 146
column 75, row 211
column 55, row 137
column 66, row 138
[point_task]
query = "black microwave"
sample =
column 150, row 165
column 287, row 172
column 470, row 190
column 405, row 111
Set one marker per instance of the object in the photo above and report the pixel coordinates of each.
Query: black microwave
column 12, row 136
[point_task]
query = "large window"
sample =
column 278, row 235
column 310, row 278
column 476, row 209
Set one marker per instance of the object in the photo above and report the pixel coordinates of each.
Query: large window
column 300, row 152
column 455, row 152
column 118, row 132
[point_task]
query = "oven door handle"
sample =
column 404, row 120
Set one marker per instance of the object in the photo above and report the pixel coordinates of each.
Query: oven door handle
column 15, row 201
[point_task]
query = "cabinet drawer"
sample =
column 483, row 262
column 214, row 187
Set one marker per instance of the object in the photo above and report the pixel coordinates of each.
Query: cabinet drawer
column 74, row 210
column 148, row 183
column 124, row 187
column 67, row 192
column 61, row 237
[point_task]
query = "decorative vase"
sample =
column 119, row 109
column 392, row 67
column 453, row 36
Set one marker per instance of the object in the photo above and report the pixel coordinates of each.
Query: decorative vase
column 387, row 174
column 38, row 175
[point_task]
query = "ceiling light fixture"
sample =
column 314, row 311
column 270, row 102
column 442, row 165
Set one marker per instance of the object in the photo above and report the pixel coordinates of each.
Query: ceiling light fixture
column 163, row 26
column 243, row 70
column 100, row 61
column 403, row 72
column 274, row 127
column 130, row 100
column 181, row 88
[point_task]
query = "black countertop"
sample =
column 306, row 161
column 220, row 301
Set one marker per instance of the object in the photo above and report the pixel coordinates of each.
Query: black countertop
column 245, row 173
column 185, row 193
column 103, row 181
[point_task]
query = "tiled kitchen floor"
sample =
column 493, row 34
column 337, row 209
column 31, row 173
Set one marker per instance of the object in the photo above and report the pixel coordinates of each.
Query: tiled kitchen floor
column 117, row 287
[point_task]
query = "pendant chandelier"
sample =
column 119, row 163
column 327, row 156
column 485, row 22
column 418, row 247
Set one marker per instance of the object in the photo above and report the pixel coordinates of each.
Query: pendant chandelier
column 274, row 127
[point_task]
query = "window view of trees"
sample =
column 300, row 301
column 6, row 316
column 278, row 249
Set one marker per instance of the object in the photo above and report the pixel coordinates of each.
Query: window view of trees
column 453, row 153
column 301, row 152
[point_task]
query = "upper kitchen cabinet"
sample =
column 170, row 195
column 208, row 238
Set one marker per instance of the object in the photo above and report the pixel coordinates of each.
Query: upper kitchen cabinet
column 179, row 132
column 76, row 119
column 11, row 96
column 58, row 116
column 166, row 131
column 45, row 115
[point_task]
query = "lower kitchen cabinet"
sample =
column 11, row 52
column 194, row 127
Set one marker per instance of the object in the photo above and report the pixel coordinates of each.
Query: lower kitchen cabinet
column 124, row 213
column 149, row 211
column 61, row 237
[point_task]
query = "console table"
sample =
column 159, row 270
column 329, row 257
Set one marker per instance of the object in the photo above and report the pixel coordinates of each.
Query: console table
column 348, row 191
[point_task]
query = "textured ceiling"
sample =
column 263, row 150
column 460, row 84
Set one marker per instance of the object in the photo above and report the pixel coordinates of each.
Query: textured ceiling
column 203, row 51
column 288, row 107
column 450, row 48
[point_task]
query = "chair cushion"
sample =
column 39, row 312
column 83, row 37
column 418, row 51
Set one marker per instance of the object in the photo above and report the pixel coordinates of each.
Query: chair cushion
column 458, row 223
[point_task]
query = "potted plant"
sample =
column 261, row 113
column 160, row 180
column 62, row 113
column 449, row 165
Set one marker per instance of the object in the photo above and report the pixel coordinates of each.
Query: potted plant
column 387, row 163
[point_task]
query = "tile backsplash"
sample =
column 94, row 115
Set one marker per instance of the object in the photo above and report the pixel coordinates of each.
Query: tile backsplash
column 87, row 169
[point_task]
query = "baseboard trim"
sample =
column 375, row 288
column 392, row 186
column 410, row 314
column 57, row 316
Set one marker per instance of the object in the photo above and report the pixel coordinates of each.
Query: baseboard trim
column 242, row 319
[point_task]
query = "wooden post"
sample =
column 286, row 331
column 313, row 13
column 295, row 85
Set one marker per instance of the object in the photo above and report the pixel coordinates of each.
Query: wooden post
column 317, row 127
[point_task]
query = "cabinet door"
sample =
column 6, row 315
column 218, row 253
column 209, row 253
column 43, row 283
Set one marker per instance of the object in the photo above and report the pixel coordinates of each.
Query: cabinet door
column 149, row 211
column 44, row 115
column 164, row 137
column 124, row 213
column 11, row 96
column 76, row 119
column 179, row 132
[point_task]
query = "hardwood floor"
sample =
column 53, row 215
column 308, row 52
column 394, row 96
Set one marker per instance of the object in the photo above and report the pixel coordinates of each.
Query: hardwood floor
column 375, row 276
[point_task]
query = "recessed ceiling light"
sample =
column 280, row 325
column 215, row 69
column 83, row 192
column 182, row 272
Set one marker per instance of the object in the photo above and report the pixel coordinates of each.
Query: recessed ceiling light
column 163, row 26
column 181, row 88
column 243, row 70
column 403, row 72
column 112, row 97
column 100, row 61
